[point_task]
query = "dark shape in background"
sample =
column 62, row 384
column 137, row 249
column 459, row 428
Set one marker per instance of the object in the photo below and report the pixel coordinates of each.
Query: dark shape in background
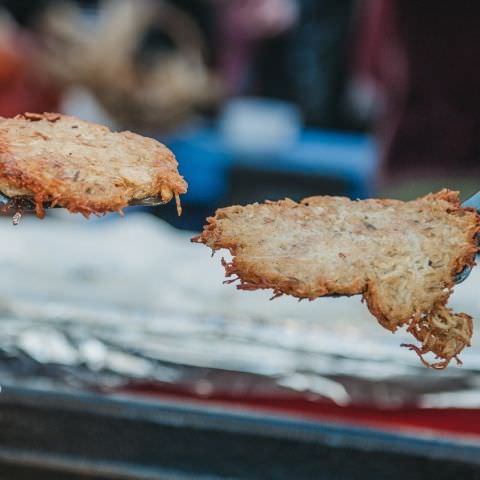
column 309, row 65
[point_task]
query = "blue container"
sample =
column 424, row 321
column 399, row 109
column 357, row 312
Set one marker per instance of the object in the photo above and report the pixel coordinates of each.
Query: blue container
column 204, row 162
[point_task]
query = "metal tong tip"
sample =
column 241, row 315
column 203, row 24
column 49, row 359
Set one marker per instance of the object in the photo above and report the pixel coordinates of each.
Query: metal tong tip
column 26, row 204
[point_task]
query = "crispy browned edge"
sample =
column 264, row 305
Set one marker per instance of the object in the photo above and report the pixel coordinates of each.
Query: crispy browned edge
column 22, row 180
column 251, row 280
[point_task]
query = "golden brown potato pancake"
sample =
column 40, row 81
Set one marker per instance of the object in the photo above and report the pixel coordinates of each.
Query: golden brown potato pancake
column 402, row 257
column 82, row 166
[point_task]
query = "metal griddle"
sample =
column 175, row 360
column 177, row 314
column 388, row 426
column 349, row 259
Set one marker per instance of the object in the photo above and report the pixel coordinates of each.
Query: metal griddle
column 85, row 436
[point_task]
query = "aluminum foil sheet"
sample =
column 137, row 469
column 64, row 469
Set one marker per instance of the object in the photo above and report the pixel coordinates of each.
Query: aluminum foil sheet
column 104, row 303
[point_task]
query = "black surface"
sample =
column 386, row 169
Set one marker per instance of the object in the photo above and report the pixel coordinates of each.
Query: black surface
column 61, row 436
column 16, row 472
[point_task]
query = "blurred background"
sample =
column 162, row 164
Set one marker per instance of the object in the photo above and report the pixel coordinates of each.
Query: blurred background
column 262, row 99
column 258, row 99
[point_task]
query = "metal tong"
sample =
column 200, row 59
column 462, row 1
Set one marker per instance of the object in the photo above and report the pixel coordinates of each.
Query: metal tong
column 20, row 205
column 472, row 202
column 29, row 206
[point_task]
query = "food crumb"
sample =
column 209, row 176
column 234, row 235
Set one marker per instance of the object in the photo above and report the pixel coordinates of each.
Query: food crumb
column 16, row 218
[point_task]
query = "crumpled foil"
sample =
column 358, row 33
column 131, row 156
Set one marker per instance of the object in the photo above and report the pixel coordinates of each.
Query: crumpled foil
column 102, row 304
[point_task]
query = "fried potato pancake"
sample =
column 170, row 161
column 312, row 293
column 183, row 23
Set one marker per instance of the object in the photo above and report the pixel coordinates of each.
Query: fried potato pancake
column 82, row 166
column 402, row 257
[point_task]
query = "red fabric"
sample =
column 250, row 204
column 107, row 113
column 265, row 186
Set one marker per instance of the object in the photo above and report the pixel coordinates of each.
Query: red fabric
column 458, row 422
column 21, row 87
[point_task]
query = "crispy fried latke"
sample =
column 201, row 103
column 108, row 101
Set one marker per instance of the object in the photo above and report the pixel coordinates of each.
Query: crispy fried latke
column 402, row 257
column 82, row 166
